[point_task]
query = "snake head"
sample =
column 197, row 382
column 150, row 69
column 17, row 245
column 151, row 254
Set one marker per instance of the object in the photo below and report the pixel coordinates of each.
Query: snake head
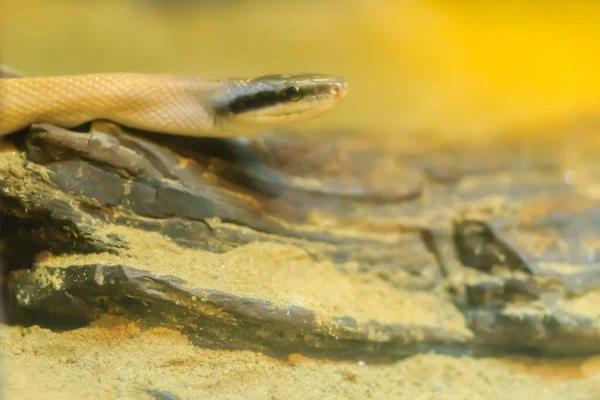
column 273, row 100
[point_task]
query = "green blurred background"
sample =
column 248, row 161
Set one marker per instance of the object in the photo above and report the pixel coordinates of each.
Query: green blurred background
column 452, row 67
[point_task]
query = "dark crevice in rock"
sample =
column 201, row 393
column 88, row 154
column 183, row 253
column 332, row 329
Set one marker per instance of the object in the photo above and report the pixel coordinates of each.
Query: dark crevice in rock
column 479, row 248
column 57, row 322
column 52, row 226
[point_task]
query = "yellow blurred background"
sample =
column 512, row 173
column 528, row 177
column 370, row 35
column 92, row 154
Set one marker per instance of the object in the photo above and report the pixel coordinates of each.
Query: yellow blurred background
column 452, row 67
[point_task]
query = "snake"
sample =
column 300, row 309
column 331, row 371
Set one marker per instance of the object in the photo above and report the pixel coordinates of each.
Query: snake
column 176, row 104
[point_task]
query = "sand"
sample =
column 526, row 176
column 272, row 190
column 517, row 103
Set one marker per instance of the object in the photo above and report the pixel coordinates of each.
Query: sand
column 114, row 359
column 284, row 275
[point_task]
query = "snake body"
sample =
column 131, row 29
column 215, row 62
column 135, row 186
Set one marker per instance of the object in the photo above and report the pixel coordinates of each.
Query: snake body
column 172, row 104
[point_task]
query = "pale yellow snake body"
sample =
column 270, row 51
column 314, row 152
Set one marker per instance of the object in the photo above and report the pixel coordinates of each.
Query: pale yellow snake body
column 172, row 104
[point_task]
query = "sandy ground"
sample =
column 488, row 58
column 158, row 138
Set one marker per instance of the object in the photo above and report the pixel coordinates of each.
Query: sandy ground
column 113, row 359
column 281, row 274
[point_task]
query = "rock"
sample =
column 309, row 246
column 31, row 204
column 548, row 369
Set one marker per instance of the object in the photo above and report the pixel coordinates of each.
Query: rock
column 289, row 243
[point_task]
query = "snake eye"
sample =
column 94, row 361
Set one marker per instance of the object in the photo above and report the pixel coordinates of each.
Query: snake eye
column 293, row 93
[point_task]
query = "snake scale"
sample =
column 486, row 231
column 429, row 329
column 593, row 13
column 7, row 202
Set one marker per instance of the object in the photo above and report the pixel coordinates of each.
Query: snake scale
column 167, row 103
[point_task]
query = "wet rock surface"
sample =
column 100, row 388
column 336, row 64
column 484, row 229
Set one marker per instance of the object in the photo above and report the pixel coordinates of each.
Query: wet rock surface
column 288, row 243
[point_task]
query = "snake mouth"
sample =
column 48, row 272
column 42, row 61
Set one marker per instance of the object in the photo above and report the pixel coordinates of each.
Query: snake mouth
column 277, row 99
